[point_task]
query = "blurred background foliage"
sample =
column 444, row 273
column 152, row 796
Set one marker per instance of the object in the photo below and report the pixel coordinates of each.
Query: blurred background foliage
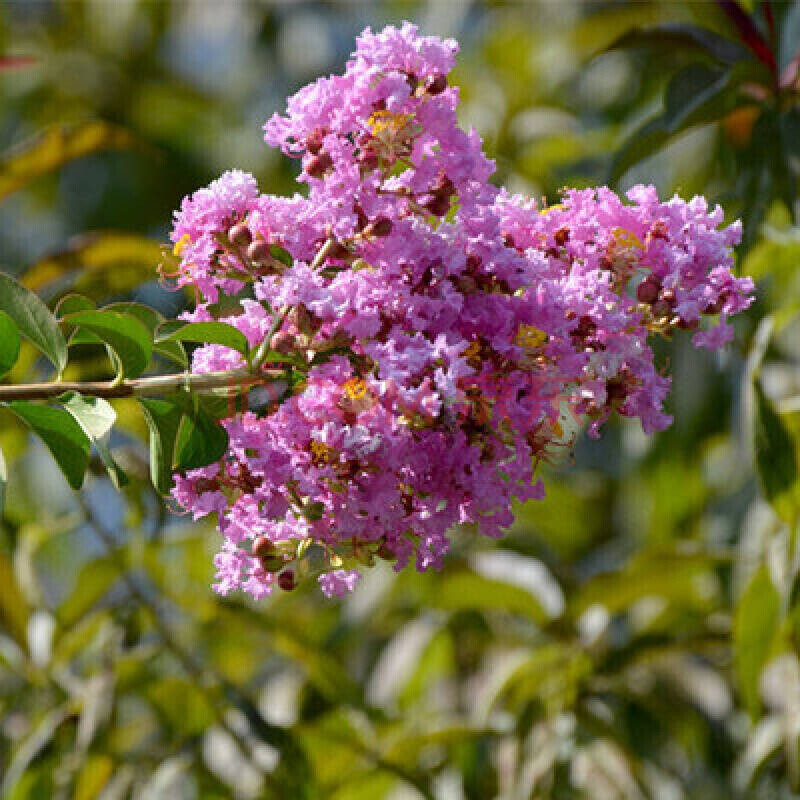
column 635, row 636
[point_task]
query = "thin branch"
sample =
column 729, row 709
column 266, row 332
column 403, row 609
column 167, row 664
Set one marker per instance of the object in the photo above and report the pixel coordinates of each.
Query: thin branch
column 140, row 387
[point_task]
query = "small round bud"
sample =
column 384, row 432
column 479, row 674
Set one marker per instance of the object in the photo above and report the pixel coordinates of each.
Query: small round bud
column 239, row 235
column 314, row 141
column 381, row 227
column 436, row 84
column 386, row 553
column 282, row 342
column 437, row 204
column 647, row 290
column 258, row 251
column 318, row 164
column 668, row 296
column 561, row 236
column 287, row 580
column 412, row 80
column 263, row 548
column 715, row 307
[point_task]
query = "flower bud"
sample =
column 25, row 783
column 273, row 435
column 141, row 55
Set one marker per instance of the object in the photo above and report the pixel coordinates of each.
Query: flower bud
column 647, row 290
column 263, row 548
column 386, row 553
column 287, row 580
column 314, row 141
column 240, row 235
column 437, row 204
column 381, row 227
column 318, row 164
column 258, row 252
column 282, row 342
column 436, row 84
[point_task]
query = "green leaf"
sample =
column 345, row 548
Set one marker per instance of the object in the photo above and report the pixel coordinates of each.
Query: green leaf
column 96, row 417
column 457, row 591
column 33, row 319
column 755, row 628
column 181, row 705
column 163, row 417
column 62, row 435
column 695, row 95
column 208, row 333
column 123, row 333
column 280, row 254
column 70, row 303
column 152, row 319
column 3, row 482
column 200, row 441
column 92, row 583
column 776, row 460
column 14, row 611
column 56, row 147
column 671, row 37
column 9, row 343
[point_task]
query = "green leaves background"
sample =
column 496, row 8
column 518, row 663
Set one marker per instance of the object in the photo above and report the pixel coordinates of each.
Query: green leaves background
column 635, row 635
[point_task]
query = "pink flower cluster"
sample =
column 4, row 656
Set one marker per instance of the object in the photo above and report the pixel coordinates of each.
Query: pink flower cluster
column 440, row 327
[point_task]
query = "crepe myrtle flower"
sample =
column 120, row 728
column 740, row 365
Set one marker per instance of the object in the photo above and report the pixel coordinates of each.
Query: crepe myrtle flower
column 443, row 329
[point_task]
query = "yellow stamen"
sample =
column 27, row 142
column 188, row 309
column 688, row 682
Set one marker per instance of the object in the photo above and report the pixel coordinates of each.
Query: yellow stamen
column 355, row 388
column 529, row 336
column 181, row 244
column 321, row 451
column 388, row 123
column 627, row 238
column 474, row 350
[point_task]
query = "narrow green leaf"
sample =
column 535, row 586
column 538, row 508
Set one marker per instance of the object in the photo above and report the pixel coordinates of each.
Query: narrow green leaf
column 208, row 333
column 9, row 343
column 62, row 435
column 123, row 333
column 96, row 417
column 200, row 441
column 776, row 460
column 163, row 417
column 755, row 628
column 33, row 319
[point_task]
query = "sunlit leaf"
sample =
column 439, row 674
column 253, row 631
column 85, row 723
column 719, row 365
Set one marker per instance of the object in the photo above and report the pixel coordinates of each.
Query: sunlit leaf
column 9, row 343
column 123, row 333
column 96, row 417
column 50, row 150
column 63, row 436
column 33, row 319
column 91, row 584
column 94, row 775
column 99, row 263
column 14, row 611
column 755, row 627
column 182, row 705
